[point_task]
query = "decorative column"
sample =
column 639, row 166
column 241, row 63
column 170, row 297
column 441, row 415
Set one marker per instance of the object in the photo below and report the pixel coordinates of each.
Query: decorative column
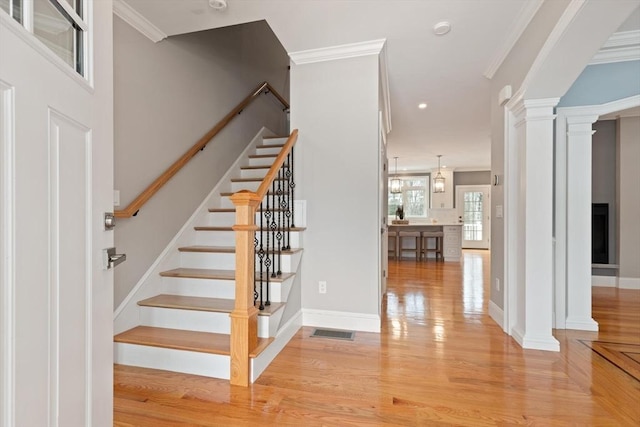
column 533, row 245
column 578, row 223
column 244, row 317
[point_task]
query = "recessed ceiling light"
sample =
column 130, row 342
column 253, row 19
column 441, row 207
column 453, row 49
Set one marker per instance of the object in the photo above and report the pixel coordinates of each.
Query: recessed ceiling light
column 442, row 28
column 422, row 105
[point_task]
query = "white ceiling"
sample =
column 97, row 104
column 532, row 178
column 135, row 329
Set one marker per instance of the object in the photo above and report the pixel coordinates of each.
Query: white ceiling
column 444, row 71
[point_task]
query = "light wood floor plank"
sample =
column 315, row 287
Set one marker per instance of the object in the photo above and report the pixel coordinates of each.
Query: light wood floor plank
column 440, row 360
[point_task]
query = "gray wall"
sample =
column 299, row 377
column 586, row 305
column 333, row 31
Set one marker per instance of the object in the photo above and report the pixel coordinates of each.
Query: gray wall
column 167, row 95
column 472, row 178
column 629, row 199
column 603, row 181
column 602, row 83
column 335, row 106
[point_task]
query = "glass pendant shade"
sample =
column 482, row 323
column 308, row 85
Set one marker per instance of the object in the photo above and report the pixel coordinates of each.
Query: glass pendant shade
column 396, row 186
column 396, row 183
column 438, row 181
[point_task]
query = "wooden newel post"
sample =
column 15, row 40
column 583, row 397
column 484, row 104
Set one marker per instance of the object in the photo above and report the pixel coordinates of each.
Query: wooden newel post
column 244, row 317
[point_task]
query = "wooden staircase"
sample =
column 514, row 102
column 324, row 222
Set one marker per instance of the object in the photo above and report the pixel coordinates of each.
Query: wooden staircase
column 183, row 313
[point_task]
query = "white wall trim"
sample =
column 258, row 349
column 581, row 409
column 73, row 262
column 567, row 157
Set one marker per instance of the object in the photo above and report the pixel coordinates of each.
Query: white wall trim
column 581, row 324
column 341, row 320
column 137, row 21
column 7, row 254
column 547, row 343
column 128, row 301
column 528, row 11
column 384, row 86
column 285, row 333
column 621, row 46
column 497, row 314
column 629, row 282
column 554, row 37
column 604, row 281
column 332, row 53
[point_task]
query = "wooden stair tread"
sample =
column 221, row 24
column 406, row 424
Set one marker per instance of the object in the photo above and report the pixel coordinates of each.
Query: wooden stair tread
column 216, row 305
column 178, row 339
column 204, row 273
column 253, row 179
column 227, row 194
column 262, row 146
column 215, row 228
column 262, row 156
column 254, row 167
column 209, row 249
column 226, row 249
column 222, row 210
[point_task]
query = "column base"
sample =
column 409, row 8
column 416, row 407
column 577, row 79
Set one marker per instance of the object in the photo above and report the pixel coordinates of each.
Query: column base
column 581, row 324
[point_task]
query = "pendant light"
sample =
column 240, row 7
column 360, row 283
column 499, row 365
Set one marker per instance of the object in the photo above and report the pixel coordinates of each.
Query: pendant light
column 438, row 181
column 396, row 183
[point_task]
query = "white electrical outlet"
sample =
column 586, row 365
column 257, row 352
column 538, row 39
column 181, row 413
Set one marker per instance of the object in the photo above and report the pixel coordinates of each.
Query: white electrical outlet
column 497, row 284
column 322, row 287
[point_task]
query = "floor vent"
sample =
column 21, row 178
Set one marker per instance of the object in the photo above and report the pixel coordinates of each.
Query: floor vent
column 333, row 333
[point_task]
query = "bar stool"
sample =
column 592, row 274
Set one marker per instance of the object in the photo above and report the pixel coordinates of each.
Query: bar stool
column 393, row 244
column 408, row 236
column 438, row 237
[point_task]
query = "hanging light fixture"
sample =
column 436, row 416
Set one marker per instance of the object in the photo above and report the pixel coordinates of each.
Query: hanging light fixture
column 438, row 181
column 396, row 183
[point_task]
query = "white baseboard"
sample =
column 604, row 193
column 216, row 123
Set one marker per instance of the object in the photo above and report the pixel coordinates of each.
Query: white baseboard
column 546, row 343
column 604, row 281
column 581, row 324
column 497, row 314
column 341, row 320
column 629, row 282
column 260, row 363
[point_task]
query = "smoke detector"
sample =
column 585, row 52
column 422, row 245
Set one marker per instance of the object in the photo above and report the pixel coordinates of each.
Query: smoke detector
column 442, row 28
column 218, row 4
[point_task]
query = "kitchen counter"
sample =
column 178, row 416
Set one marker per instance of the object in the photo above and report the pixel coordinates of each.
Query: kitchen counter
column 452, row 245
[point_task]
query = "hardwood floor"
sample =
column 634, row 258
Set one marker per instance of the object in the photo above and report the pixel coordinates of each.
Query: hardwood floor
column 440, row 360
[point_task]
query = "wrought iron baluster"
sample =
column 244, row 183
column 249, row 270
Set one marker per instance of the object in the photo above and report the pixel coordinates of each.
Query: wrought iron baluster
column 260, row 254
column 267, row 260
column 287, row 208
column 280, row 221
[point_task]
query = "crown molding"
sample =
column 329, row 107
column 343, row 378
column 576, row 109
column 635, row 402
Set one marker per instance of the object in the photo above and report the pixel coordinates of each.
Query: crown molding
column 352, row 50
column 525, row 16
column 137, row 21
column 621, row 46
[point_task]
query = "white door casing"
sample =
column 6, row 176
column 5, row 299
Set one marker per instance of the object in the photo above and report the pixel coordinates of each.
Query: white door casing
column 57, row 301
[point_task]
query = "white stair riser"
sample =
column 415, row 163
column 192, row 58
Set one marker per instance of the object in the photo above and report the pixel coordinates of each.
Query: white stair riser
column 224, row 261
column 227, row 238
column 168, row 359
column 210, row 288
column 226, row 219
column 253, row 173
column 206, row 288
column 202, row 321
column 274, row 141
column 250, row 186
column 261, row 161
column 216, row 261
column 225, row 202
column 191, row 320
column 268, row 150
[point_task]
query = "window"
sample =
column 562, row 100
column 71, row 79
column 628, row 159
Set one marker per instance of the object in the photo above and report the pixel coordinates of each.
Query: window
column 414, row 197
column 58, row 24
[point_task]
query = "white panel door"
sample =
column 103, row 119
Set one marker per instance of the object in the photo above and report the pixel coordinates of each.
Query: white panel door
column 57, row 181
column 473, row 205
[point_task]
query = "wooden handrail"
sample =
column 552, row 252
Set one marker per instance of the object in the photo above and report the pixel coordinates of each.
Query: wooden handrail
column 244, row 330
column 133, row 207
